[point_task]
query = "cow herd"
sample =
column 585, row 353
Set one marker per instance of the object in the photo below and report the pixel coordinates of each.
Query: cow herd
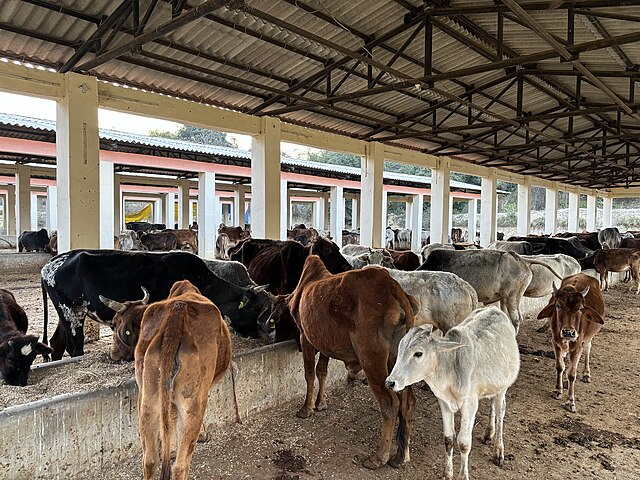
column 398, row 317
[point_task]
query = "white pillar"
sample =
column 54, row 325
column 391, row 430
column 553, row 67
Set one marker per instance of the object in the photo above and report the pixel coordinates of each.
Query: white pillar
column 607, row 204
column 184, row 204
column 325, row 211
column 10, row 210
column 488, row 208
column 168, row 209
column 208, row 206
column 471, row 220
column 551, row 211
column 284, row 209
column 337, row 214
column 408, row 211
column 52, row 208
column 371, row 195
column 265, row 181
column 239, row 205
column 574, row 212
column 78, row 173
column 450, row 217
column 416, row 222
column 355, row 213
column 118, row 223
column 107, row 205
column 23, row 198
column 440, row 202
column 524, row 208
column 385, row 210
column 591, row 213
column 34, row 212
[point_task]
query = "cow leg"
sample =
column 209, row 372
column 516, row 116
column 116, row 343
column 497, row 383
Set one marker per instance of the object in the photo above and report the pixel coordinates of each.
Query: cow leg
column 511, row 308
column 149, row 426
column 586, row 373
column 559, row 371
column 500, row 403
column 191, row 409
column 449, row 431
column 405, row 419
column 58, row 342
column 574, row 358
column 468, row 410
column 309, row 359
column 491, row 426
column 321, row 373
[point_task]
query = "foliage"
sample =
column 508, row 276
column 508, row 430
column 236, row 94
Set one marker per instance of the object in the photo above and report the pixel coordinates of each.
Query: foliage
column 203, row 136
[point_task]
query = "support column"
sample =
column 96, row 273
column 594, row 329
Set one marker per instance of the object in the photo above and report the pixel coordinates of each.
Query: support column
column 107, row 204
column 52, row 208
column 574, row 212
column 265, row 181
column 488, row 208
column 168, row 209
column 591, row 213
column 23, row 198
column 440, row 202
column 284, row 209
column 118, row 224
column 11, row 210
column 450, row 218
column 408, row 212
column 239, row 206
column 471, row 220
column 607, row 207
column 371, row 195
column 33, row 216
column 524, row 208
column 325, row 211
column 355, row 213
column 337, row 214
column 208, row 207
column 416, row 222
column 78, row 173
column 551, row 211
column 184, row 204
column 385, row 210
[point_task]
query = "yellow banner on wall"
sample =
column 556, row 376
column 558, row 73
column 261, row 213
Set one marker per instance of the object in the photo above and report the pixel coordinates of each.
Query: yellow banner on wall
column 141, row 215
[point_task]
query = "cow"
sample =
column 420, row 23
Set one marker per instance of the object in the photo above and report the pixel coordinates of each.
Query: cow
column 477, row 359
column 374, row 257
column 617, row 260
column 186, row 239
column 456, row 235
column 184, row 348
column 128, row 239
column 52, row 247
column 235, row 234
column 17, row 349
column 144, row 226
column 246, row 250
column 302, row 234
column 159, row 241
column 32, row 241
column 543, row 277
column 350, row 238
column 633, row 243
column 551, row 245
column 587, row 239
column 355, row 249
column 402, row 239
column 576, row 312
column 521, row 247
column 222, row 246
column 231, row 271
column 609, row 236
column 354, row 317
column 74, row 280
column 405, row 260
column 427, row 249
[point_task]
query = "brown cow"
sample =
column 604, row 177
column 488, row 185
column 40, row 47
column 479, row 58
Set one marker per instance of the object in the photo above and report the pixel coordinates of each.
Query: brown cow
column 183, row 349
column 235, row 234
column 617, row 260
column 456, row 235
column 355, row 317
column 405, row 260
column 186, row 239
column 300, row 233
column 576, row 314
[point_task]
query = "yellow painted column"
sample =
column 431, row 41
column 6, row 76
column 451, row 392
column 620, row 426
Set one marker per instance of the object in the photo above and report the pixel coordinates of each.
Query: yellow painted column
column 265, row 180
column 78, row 174
column 371, row 198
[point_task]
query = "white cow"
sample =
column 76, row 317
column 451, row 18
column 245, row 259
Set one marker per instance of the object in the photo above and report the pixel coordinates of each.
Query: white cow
column 477, row 359
column 541, row 283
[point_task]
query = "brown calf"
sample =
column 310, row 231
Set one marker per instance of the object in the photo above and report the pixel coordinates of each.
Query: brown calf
column 405, row 260
column 186, row 239
column 617, row 260
column 235, row 234
column 184, row 347
column 355, row 317
column 577, row 314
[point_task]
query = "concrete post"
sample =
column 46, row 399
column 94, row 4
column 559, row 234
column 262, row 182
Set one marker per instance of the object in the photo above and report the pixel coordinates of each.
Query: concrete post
column 184, row 204
column 440, row 202
column 78, row 173
column 23, row 198
column 416, row 222
column 385, row 210
column 471, row 220
column 11, row 210
column 265, row 181
column 488, row 208
column 325, row 211
column 34, row 212
column 408, row 212
column 208, row 206
column 591, row 213
column 337, row 214
column 607, row 207
column 107, row 205
column 52, row 208
column 355, row 213
column 371, row 196
column 524, row 208
column 239, row 205
column 551, row 211
column 118, row 223
column 284, row 209
column 169, row 202
column 574, row 212
column 450, row 217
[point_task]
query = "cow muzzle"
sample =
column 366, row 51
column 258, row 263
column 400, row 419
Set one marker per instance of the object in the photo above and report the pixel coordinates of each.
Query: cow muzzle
column 569, row 334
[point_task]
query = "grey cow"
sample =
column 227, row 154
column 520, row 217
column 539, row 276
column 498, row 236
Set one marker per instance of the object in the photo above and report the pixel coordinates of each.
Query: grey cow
column 609, row 236
column 543, row 277
column 231, row 271
column 477, row 359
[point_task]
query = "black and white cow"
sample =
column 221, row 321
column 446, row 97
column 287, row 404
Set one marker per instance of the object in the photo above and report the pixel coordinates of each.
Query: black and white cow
column 74, row 280
column 33, row 241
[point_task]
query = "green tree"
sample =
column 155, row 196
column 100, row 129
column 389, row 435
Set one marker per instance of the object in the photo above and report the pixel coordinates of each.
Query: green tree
column 204, row 136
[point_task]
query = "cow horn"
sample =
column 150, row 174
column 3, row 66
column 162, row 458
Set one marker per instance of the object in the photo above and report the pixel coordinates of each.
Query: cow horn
column 145, row 299
column 585, row 291
column 112, row 304
column 555, row 289
column 260, row 288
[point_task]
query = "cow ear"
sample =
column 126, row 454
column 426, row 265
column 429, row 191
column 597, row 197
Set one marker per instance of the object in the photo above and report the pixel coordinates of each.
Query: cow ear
column 593, row 316
column 547, row 311
column 448, row 346
column 42, row 349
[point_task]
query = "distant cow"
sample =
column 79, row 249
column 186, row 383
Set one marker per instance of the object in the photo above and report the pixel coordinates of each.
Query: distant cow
column 302, row 234
column 521, row 247
column 17, row 349
column 235, row 234
column 144, row 226
column 551, row 245
column 374, row 257
column 128, row 239
column 617, row 260
column 609, row 236
column 52, row 248
column 159, row 242
column 456, row 235
column 427, row 249
column 184, row 348
column 576, row 312
column 405, row 260
column 630, row 243
column 186, row 239
column 477, row 359
column 543, row 278
column 33, row 241
column 222, row 246
column 402, row 239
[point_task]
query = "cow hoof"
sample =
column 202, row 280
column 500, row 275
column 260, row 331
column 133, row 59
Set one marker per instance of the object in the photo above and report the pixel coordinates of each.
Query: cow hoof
column 372, row 463
column 304, row 412
column 397, row 460
column 486, row 439
column 586, row 378
column 203, row 437
column 571, row 407
column 557, row 394
column 498, row 461
column 320, row 407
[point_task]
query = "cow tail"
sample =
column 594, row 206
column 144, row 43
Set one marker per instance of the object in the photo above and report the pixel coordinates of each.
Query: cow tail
column 407, row 303
column 45, row 303
column 537, row 262
column 169, row 368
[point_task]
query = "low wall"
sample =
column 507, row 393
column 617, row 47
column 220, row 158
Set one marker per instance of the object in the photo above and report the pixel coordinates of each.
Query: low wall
column 14, row 262
column 73, row 436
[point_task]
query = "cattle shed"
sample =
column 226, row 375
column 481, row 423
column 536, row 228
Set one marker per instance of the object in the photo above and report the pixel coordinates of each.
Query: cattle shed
column 534, row 93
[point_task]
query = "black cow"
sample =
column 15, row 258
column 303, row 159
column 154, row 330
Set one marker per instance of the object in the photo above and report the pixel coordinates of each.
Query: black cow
column 33, row 241
column 551, row 245
column 246, row 250
column 17, row 350
column 145, row 226
column 160, row 241
column 74, row 280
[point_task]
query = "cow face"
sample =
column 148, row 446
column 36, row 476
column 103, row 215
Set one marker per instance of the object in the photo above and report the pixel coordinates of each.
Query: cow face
column 126, row 325
column 253, row 310
column 280, row 326
column 568, row 307
column 330, row 255
column 16, row 357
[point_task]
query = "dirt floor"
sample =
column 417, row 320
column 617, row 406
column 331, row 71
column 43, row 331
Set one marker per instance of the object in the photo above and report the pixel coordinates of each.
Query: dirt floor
column 542, row 439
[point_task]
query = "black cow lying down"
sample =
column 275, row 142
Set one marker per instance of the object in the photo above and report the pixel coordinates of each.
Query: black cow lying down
column 74, row 281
